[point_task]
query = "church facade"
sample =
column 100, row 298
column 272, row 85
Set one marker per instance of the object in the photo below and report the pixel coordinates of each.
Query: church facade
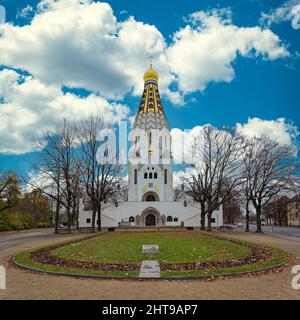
column 150, row 183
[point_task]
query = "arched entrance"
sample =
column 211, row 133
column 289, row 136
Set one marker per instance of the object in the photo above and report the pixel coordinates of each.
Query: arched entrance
column 150, row 217
column 150, row 196
column 150, row 220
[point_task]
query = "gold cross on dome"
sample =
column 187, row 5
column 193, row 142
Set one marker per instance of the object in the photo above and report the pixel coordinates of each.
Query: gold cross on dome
column 151, row 61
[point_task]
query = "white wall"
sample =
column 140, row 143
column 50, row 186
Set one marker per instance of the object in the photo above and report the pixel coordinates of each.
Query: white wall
column 113, row 215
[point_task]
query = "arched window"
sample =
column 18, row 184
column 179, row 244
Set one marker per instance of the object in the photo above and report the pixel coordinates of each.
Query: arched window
column 145, row 175
column 150, row 197
column 135, row 176
column 150, row 175
column 169, row 218
column 131, row 219
column 155, row 175
column 166, row 176
column 106, row 152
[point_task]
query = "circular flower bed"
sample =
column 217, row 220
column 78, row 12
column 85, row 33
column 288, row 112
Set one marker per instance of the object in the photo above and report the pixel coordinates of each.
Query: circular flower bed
column 258, row 255
column 257, row 258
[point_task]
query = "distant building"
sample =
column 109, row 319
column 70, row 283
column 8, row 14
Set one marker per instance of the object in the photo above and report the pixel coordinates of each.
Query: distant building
column 293, row 212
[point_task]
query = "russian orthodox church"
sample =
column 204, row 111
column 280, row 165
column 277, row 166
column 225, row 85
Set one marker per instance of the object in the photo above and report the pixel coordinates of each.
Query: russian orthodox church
column 150, row 185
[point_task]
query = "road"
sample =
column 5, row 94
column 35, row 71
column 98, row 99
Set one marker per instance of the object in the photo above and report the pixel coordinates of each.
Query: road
column 284, row 232
column 18, row 238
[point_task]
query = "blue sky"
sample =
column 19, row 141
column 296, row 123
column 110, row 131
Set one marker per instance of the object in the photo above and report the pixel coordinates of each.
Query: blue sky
column 264, row 83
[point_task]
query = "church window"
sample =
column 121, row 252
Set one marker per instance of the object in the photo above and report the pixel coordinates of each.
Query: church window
column 212, row 220
column 106, row 152
column 166, row 176
column 131, row 219
column 150, row 138
column 150, row 197
column 155, row 175
column 169, row 219
column 88, row 220
column 150, row 175
column 175, row 219
column 145, row 175
column 135, row 176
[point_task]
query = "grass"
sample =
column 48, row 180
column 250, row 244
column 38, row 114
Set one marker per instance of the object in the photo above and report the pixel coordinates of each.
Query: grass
column 279, row 257
column 175, row 247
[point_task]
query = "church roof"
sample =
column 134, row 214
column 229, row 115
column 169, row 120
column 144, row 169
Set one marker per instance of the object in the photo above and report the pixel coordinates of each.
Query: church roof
column 151, row 114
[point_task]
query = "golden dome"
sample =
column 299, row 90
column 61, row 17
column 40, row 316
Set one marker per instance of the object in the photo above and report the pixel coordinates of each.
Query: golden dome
column 151, row 74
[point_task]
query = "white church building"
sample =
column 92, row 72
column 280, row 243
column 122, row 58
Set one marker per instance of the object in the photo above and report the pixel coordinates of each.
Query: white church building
column 150, row 186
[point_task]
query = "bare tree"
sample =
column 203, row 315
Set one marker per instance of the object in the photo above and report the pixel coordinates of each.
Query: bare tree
column 196, row 196
column 217, row 170
column 99, row 172
column 57, row 171
column 231, row 210
column 246, row 189
column 269, row 169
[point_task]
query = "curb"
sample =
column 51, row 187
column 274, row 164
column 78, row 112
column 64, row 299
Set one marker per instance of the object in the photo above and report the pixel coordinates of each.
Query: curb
column 203, row 277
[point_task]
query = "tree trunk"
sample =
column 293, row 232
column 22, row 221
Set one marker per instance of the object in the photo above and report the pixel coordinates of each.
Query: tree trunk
column 56, row 217
column 94, row 220
column 99, row 217
column 258, row 219
column 209, row 214
column 247, row 216
column 203, row 213
column 69, row 220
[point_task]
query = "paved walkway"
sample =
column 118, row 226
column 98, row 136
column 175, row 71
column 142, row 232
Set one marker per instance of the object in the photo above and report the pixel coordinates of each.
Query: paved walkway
column 23, row 284
column 12, row 239
column 150, row 269
column 292, row 233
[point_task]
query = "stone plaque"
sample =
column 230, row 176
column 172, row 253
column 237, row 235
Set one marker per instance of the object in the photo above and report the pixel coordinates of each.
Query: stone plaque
column 150, row 248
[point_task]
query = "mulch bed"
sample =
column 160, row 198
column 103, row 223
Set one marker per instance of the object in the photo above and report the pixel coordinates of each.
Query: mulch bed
column 257, row 255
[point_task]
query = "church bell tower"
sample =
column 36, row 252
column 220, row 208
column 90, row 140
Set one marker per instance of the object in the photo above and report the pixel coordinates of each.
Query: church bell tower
column 151, row 180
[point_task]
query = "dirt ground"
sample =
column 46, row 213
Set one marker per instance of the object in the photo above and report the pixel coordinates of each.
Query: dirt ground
column 22, row 284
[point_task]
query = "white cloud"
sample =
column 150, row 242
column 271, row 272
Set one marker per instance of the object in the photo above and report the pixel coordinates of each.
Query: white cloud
column 182, row 142
column 29, row 107
column 278, row 130
column 81, row 44
column 204, row 51
column 180, row 176
column 25, row 12
column 288, row 11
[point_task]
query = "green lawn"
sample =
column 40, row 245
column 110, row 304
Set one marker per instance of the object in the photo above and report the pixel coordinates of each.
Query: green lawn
column 175, row 247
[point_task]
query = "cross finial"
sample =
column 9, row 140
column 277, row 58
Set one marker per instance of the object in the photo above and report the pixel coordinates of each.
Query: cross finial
column 151, row 61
